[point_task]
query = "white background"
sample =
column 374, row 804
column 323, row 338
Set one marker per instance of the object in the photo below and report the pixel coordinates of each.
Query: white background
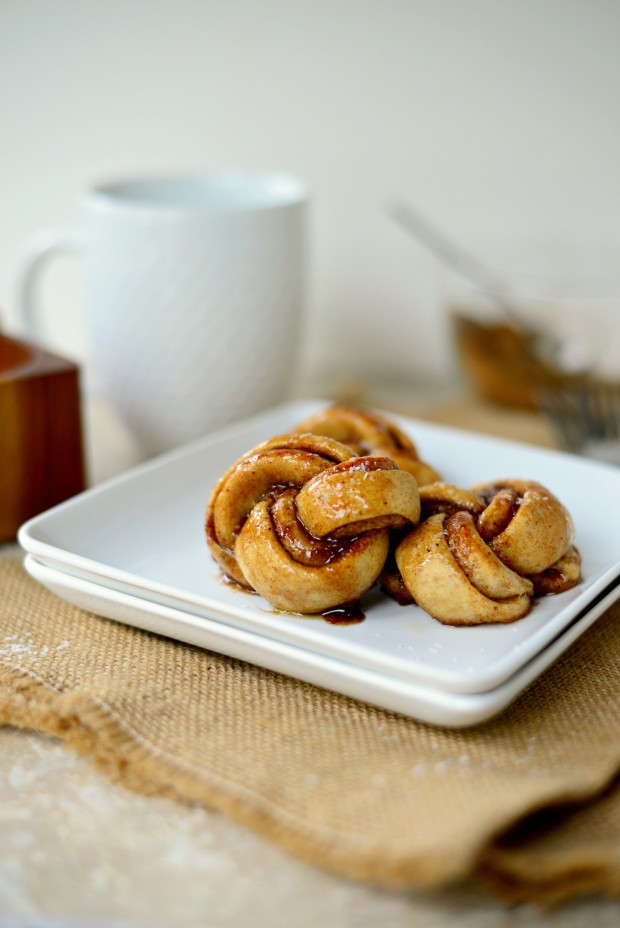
column 498, row 118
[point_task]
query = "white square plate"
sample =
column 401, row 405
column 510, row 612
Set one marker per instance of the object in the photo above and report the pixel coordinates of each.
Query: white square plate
column 425, row 703
column 142, row 534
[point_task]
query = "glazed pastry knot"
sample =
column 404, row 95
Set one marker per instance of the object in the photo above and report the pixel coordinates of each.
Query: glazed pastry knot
column 480, row 554
column 305, row 523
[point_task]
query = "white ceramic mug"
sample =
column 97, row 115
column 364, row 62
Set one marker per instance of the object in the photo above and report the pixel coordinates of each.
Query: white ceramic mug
column 194, row 293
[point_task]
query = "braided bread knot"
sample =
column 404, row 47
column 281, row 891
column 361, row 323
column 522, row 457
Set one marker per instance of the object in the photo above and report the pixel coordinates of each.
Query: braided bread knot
column 479, row 555
column 370, row 434
column 305, row 523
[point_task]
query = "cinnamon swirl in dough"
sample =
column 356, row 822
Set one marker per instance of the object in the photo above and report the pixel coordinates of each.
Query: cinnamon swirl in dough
column 480, row 555
column 313, row 519
column 305, row 523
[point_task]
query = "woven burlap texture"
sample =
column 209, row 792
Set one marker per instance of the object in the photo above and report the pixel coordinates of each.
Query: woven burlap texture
column 525, row 802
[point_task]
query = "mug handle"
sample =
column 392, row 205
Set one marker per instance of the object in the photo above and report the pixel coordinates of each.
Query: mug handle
column 42, row 247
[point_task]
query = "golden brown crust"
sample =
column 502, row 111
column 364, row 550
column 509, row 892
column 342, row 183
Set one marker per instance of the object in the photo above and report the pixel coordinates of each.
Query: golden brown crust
column 297, row 587
column 535, row 529
column 561, row 576
column 481, row 554
column 445, row 587
column 440, row 496
column 479, row 562
column 288, row 460
column 311, row 521
column 359, row 495
column 304, row 523
column 369, row 433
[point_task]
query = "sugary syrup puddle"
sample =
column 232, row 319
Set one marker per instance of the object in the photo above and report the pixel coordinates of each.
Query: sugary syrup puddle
column 340, row 615
column 225, row 580
column 344, row 615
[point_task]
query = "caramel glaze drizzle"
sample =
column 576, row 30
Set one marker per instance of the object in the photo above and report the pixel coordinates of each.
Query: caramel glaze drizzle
column 295, row 538
column 272, row 493
column 350, row 614
column 498, row 505
column 560, row 576
column 299, row 543
column 306, row 548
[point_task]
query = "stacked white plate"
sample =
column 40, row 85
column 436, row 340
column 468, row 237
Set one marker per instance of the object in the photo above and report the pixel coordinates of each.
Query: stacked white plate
column 133, row 550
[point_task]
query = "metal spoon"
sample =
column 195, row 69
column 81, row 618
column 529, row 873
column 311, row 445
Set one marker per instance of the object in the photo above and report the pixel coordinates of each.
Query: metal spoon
column 541, row 348
column 456, row 257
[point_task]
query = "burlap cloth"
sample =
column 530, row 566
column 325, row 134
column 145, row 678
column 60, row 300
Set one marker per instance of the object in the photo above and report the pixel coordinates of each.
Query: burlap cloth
column 526, row 803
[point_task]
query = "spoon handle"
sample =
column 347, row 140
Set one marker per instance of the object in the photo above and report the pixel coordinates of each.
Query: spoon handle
column 456, row 257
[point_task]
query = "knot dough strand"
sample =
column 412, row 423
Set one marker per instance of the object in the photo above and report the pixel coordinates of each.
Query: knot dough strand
column 358, row 495
column 306, row 588
column 525, row 524
column 449, row 584
column 369, row 434
column 325, row 544
column 287, row 460
column 305, row 524
column 312, row 519
column 471, row 563
column 444, row 497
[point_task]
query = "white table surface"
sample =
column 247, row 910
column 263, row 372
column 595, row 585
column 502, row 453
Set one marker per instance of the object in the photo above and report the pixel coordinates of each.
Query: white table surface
column 78, row 850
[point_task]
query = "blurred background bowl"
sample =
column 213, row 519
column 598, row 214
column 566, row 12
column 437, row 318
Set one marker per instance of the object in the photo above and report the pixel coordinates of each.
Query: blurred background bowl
column 568, row 302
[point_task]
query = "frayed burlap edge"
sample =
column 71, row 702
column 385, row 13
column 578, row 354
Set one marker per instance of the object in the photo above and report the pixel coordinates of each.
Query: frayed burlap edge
column 515, row 879
column 92, row 729
column 519, row 867
column 585, row 878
